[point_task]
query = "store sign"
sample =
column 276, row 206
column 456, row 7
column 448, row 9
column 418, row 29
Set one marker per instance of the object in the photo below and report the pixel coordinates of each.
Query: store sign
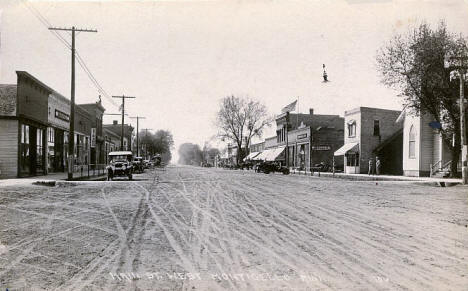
column 62, row 115
column 93, row 137
column 321, row 148
column 301, row 136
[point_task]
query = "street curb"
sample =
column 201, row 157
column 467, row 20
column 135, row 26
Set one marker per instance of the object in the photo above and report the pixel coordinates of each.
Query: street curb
column 53, row 183
column 382, row 179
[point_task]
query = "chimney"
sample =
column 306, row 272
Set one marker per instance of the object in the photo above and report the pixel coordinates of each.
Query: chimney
column 311, row 111
column 115, row 122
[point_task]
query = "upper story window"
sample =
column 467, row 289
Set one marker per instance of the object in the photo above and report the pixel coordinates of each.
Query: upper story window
column 352, row 128
column 376, row 128
column 412, row 143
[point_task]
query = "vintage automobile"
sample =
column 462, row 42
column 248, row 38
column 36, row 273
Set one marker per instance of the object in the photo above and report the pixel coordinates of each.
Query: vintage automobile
column 157, row 160
column 120, row 165
column 147, row 164
column 138, row 165
column 268, row 167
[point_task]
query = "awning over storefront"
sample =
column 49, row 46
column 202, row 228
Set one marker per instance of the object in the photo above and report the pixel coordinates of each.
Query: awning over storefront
column 263, row 155
column 274, row 154
column 251, row 156
column 352, row 146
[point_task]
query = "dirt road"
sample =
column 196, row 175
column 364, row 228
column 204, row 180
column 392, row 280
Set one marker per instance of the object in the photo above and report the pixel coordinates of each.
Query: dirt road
column 208, row 229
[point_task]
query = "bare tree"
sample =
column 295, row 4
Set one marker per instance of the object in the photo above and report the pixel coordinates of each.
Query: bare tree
column 415, row 64
column 241, row 119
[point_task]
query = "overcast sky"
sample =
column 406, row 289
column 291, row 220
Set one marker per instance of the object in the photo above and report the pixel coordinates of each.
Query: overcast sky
column 180, row 57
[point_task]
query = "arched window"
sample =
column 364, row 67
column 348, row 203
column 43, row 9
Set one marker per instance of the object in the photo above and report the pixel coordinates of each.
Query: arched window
column 412, row 142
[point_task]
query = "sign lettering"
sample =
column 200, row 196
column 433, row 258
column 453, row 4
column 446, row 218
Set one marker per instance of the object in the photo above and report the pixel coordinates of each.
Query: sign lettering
column 62, row 115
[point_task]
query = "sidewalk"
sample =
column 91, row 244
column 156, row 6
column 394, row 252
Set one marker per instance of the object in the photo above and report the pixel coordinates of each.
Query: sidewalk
column 365, row 177
column 51, row 178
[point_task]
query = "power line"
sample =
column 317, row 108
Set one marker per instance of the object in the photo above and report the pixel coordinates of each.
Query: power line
column 72, row 98
column 123, row 118
column 81, row 61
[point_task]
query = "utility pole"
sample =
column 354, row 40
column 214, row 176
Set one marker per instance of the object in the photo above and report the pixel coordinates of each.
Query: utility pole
column 138, row 133
column 146, row 144
column 71, row 136
column 462, row 67
column 123, row 119
column 287, row 140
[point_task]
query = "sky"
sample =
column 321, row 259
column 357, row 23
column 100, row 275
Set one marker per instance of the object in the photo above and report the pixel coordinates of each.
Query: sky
column 179, row 58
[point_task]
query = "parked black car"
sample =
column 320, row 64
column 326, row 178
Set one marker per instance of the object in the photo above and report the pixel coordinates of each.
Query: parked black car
column 268, row 167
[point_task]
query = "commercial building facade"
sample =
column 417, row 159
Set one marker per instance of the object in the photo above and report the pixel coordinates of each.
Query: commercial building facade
column 116, row 128
column 371, row 132
column 34, row 127
column 309, row 139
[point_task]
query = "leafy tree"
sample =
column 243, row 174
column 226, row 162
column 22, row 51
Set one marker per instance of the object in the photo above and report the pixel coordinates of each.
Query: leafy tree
column 161, row 142
column 415, row 64
column 241, row 119
column 190, row 154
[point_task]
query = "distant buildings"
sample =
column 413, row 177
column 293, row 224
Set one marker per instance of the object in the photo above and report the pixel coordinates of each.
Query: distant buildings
column 116, row 128
column 302, row 140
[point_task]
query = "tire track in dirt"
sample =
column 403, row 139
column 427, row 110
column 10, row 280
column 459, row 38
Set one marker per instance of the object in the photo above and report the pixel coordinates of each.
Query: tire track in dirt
column 108, row 260
column 401, row 275
column 186, row 263
column 352, row 223
column 339, row 252
column 201, row 236
column 59, row 218
column 273, row 242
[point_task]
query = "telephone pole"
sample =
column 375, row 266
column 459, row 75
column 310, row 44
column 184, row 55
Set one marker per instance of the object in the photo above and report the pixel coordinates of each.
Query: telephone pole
column 71, row 136
column 123, row 119
column 462, row 67
column 146, row 144
column 138, row 133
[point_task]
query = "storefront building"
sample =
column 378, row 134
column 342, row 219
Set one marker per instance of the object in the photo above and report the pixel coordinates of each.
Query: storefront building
column 96, row 112
column 309, row 139
column 34, row 126
column 57, row 132
column 371, row 133
column 111, row 143
column 116, row 128
column 23, row 123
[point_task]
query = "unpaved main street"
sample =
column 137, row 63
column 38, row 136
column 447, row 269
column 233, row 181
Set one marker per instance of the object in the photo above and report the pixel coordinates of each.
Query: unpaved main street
column 189, row 228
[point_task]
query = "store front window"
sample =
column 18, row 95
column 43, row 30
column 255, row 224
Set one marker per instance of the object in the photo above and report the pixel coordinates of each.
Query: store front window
column 352, row 160
column 39, row 150
column 24, row 150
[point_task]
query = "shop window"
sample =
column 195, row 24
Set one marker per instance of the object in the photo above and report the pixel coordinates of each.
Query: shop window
column 352, row 160
column 50, row 134
column 24, row 149
column 376, row 128
column 352, row 129
column 39, row 150
column 412, row 143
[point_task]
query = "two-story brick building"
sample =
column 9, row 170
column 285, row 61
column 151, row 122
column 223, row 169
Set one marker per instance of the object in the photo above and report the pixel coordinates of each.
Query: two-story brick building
column 310, row 138
column 96, row 111
column 371, row 132
column 116, row 128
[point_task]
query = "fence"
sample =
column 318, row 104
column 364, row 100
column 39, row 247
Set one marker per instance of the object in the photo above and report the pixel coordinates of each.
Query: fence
column 87, row 171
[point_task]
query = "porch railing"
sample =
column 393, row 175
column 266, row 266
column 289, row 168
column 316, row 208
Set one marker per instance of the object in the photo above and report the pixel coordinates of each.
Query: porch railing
column 439, row 167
